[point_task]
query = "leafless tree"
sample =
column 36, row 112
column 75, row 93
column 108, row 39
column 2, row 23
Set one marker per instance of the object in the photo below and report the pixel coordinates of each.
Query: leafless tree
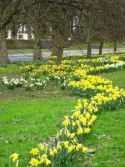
column 82, row 20
column 8, row 9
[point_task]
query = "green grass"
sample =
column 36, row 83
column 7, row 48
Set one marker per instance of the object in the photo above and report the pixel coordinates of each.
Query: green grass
column 117, row 77
column 111, row 45
column 11, row 70
column 28, row 118
column 106, row 141
column 77, row 47
column 24, row 124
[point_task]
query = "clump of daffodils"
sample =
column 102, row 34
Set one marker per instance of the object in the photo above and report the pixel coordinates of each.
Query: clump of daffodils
column 13, row 83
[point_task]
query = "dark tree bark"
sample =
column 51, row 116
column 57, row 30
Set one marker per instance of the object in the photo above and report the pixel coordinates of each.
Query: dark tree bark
column 89, row 43
column 89, row 48
column 54, row 43
column 37, row 49
column 59, row 55
column 115, row 46
column 101, row 47
column 3, row 50
column 54, row 50
column 7, row 11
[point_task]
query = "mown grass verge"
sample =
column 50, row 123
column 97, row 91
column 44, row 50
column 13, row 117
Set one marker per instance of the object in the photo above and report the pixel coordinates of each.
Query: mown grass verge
column 29, row 107
column 117, row 77
column 24, row 124
column 106, row 141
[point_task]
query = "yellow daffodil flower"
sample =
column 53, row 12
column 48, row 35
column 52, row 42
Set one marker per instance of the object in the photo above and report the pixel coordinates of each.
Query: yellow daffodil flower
column 48, row 162
column 34, row 162
column 34, row 151
column 14, row 157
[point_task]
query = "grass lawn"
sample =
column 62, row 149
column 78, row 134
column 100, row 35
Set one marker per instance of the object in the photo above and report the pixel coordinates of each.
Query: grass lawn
column 28, row 118
column 117, row 77
column 84, row 46
column 24, row 124
column 106, row 141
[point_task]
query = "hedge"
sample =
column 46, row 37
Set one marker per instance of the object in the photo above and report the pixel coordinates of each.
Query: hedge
column 26, row 44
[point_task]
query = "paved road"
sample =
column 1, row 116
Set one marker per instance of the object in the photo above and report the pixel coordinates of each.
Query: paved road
column 28, row 57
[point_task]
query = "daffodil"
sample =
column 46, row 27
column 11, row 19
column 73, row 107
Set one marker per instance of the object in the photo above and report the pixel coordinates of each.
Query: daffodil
column 87, row 130
column 76, row 114
column 34, row 162
column 78, row 147
column 55, row 151
column 87, row 115
column 34, row 151
column 71, row 148
column 42, row 160
column 79, row 131
column 51, row 153
column 72, row 135
column 48, row 162
column 65, row 122
column 84, row 149
column 66, row 143
column 14, row 157
column 41, row 146
column 59, row 146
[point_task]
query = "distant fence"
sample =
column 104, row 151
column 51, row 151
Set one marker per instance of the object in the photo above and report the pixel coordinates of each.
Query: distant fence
column 27, row 44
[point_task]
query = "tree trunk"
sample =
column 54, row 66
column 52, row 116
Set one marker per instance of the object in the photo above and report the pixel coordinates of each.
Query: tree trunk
column 101, row 47
column 54, row 49
column 59, row 55
column 37, row 49
column 115, row 46
column 89, row 43
column 54, row 43
column 60, row 47
column 3, row 50
column 89, row 48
